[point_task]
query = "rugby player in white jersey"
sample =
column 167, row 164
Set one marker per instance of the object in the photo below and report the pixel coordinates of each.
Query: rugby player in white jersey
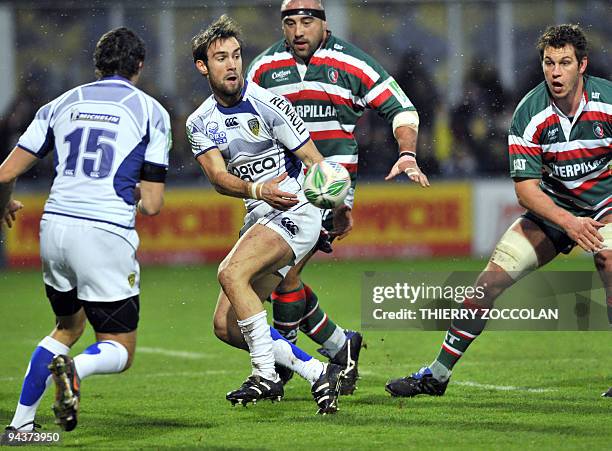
column 251, row 144
column 106, row 137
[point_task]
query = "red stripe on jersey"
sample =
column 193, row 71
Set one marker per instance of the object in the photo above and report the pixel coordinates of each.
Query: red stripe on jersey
column 310, row 94
column 595, row 116
column 380, row 98
column 271, row 66
column 331, row 134
column 550, row 120
column 517, row 149
column 576, row 153
column 329, row 61
column 590, row 183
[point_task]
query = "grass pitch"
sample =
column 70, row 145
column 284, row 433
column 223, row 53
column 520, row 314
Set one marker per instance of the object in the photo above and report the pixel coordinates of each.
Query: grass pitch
column 528, row 390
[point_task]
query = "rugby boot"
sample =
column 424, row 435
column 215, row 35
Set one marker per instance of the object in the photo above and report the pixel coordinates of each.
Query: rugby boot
column 256, row 388
column 326, row 389
column 348, row 359
column 67, row 391
column 419, row 383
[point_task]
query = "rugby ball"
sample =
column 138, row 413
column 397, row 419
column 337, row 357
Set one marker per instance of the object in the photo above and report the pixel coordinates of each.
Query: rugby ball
column 326, row 184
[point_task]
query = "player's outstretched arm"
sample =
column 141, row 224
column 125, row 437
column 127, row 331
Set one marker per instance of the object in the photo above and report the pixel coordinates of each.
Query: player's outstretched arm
column 18, row 162
column 309, row 154
column 214, row 167
column 406, row 139
column 584, row 231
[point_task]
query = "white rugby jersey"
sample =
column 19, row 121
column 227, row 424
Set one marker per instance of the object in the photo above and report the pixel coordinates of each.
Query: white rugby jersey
column 101, row 134
column 257, row 137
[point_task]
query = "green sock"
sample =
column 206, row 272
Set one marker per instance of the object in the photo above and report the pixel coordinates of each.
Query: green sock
column 315, row 322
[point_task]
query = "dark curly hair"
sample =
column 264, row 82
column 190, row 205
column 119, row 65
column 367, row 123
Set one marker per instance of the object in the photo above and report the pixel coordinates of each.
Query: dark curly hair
column 223, row 28
column 560, row 35
column 119, row 52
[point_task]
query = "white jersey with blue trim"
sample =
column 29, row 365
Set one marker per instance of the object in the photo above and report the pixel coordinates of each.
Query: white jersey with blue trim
column 257, row 137
column 101, row 133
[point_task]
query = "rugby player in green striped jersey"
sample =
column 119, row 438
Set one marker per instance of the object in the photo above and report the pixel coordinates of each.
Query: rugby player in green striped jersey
column 560, row 146
column 331, row 82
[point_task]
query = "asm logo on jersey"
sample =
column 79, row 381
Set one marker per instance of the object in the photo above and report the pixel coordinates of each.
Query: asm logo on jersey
column 289, row 226
column 231, row 122
column 519, row 164
column 254, row 126
column 249, row 171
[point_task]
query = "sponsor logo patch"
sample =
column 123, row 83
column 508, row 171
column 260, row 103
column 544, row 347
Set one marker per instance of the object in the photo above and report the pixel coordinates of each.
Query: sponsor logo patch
column 281, row 75
column 598, row 129
column 254, row 126
column 76, row 115
column 249, row 171
column 289, row 226
column 132, row 279
column 212, row 131
column 231, row 122
column 332, row 74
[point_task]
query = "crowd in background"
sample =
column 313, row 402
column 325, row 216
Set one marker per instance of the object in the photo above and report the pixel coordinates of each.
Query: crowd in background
column 462, row 140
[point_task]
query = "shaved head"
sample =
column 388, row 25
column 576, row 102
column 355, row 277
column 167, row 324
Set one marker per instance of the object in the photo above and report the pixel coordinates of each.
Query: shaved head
column 295, row 4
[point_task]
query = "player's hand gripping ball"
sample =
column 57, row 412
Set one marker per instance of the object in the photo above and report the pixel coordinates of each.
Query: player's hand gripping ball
column 326, row 184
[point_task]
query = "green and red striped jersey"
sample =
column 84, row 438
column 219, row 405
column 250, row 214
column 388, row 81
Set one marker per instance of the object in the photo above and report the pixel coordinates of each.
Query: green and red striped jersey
column 571, row 156
column 331, row 93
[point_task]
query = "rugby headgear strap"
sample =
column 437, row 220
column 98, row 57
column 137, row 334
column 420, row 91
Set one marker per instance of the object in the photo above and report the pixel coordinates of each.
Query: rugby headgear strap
column 318, row 13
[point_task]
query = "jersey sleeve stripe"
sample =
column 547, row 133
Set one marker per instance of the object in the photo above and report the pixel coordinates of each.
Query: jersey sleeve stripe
column 381, row 98
column 299, row 146
column 517, row 149
column 22, row 147
column 202, row 152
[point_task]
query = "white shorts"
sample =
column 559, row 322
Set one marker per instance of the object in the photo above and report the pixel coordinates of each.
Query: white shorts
column 100, row 264
column 299, row 227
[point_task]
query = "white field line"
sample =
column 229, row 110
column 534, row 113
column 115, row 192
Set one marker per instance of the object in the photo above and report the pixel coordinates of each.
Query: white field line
column 503, row 387
column 171, row 353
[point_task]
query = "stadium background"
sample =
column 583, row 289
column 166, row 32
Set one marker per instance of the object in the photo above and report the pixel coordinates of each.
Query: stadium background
column 463, row 64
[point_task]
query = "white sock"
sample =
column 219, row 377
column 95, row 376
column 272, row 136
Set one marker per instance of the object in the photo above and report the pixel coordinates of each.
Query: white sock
column 310, row 369
column 36, row 381
column 256, row 333
column 103, row 357
column 334, row 343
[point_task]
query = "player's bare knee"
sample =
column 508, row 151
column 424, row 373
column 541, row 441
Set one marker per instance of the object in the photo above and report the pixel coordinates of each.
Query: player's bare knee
column 220, row 328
